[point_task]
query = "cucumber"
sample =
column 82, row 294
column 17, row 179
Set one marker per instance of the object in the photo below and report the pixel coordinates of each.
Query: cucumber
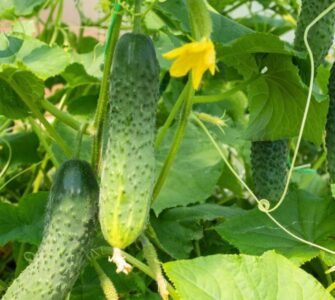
column 70, row 227
column 128, row 161
column 330, row 127
column 269, row 168
column 321, row 35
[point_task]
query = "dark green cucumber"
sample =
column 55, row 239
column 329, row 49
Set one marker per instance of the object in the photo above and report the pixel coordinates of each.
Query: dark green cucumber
column 128, row 164
column 70, row 227
column 269, row 168
column 330, row 127
column 321, row 35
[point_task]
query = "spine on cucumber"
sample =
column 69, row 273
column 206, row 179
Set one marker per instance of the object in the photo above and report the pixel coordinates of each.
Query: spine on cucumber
column 70, row 226
column 128, row 164
column 330, row 127
column 269, row 168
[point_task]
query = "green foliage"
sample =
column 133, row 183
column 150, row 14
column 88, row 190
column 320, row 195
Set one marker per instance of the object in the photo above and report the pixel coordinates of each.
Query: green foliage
column 53, row 76
column 23, row 222
column 187, row 226
column 270, row 277
column 194, row 173
column 304, row 214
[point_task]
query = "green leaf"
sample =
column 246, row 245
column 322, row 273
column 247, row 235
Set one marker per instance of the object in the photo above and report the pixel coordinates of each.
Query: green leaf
column 226, row 30
column 304, row 214
column 185, row 222
column 75, row 75
column 243, row 277
column 23, row 222
column 46, row 62
column 19, row 7
column 92, row 61
column 241, row 52
column 13, row 46
column 11, row 104
column 277, row 102
column 24, row 146
column 194, row 173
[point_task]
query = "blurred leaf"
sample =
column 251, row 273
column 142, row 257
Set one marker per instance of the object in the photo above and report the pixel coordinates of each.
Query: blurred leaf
column 69, row 135
column 194, row 172
column 75, row 75
column 24, row 146
column 11, row 104
column 92, row 61
column 23, row 222
column 83, row 106
column 88, row 287
column 18, row 7
column 186, row 225
column 304, row 214
column 13, row 46
column 46, row 62
column 243, row 277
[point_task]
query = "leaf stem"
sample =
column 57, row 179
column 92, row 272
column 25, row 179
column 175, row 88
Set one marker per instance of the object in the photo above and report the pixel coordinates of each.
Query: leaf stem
column 112, row 37
column 137, row 17
column 107, row 251
column 62, row 116
column 171, row 117
column 105, row 282
column 19, row 261
column 57, row 22
column 35, row 110
column 43, row 141
column 177, row 140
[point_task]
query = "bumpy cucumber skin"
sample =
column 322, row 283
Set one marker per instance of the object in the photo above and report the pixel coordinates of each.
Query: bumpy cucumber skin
column 70, row 227
column 128, row 164
column 321, row 35
column 330, row 126
column 269, row 168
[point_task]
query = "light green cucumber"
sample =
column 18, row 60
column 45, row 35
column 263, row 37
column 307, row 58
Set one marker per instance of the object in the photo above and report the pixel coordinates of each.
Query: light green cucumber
column 128, row 164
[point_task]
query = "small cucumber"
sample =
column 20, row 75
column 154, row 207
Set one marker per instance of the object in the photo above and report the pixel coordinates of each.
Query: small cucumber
column 69, row 230
column 269, row 168
column 128, row 163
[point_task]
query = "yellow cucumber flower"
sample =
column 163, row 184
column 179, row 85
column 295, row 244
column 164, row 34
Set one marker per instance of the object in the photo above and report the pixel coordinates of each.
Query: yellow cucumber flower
column 196, row 56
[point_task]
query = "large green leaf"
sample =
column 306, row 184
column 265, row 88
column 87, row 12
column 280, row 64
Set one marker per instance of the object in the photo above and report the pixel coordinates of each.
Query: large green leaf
column 240, row 53
column 304, row 214
column 186, row 225
column 277, row 102
column 243, row 277
column 23, row 222
column 194, row 173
